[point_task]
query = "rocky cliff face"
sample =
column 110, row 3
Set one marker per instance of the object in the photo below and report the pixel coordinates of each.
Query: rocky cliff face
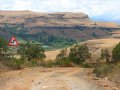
column 68, row 25
column 43, row 19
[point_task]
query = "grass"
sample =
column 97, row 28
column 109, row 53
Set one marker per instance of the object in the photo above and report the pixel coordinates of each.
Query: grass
column 112, row 72
column 49, row 64
column 106, row 70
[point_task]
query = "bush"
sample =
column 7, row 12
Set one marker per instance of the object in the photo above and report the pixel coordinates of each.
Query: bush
column 79, row 53
column 87, row 65
column 3, row 48
column 62, row 58
column 16, row 63
column 103, row 70
column 31, row 51
column 33, row 63
column 63, row 62
column 49, row 64
column 116, row 53
column 115, row 76
column 105, row 55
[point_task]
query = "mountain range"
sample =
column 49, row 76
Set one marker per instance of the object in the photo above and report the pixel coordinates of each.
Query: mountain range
column 50, row 28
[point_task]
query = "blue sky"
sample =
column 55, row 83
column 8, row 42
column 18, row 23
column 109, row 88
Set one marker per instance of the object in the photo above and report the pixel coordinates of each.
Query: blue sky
column 96, row 9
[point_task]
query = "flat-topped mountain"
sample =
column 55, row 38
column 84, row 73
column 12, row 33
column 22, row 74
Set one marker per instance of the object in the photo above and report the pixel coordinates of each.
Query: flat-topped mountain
column 45, row 27
column 43, row 19
column 50, row 19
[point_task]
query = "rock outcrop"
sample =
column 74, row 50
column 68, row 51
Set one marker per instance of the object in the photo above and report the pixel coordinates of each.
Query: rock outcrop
column 69, row 25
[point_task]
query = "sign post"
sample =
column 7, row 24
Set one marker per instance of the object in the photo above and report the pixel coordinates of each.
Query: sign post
column 13, row 46
column 13, row 42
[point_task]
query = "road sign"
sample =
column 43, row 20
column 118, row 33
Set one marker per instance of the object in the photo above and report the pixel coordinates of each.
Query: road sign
column 13, row 42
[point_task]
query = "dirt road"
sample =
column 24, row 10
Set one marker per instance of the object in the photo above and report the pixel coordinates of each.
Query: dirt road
column 47, row 79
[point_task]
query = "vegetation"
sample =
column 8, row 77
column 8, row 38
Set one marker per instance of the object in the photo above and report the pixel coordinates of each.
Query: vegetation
column 62, row 58
column 16, row 63
column 79, row 53
column 112, row 67
column 43, row 37
column 32, row 53
column 108, row 70
column 3, row 47
column 29, row 51
column 49, row 64
column 103, row 70
column 105, row 55
column 116, row 53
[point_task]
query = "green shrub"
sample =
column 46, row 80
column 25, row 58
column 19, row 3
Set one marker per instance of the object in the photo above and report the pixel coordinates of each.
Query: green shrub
column 105, row 54
column 31, row 50
column 87, row 65
column 6, row 61
column 79, row 53
column 63, row 62
column 115, row 75
column 116, row 53
column 62, row 58
column 49, row 64
column 33, row 63
column 103, row 70
column 16, row 63
column 3, row 48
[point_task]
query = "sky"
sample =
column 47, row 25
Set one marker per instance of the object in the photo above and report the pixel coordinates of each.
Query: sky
column 96, row 9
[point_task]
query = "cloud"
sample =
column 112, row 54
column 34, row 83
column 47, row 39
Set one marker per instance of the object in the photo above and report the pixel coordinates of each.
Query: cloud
column 22, row 5
column 94, row 8
column 4, row 5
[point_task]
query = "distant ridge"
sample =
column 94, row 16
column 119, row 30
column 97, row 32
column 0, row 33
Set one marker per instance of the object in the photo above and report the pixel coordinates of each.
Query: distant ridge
column 77, row 26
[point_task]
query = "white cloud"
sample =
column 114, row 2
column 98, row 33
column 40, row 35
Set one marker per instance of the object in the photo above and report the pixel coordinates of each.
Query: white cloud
column 94, row 8
column 21, row 5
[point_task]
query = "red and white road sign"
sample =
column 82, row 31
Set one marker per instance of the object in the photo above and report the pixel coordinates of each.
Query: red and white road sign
column 13, row 42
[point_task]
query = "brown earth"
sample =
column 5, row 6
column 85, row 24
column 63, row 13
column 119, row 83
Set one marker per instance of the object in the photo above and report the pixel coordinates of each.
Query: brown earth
column 51, row 79
column 94, row 45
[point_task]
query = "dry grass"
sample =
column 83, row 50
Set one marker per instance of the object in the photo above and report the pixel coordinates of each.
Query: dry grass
column 103, row 43
column 95, row 47
column 51, row 55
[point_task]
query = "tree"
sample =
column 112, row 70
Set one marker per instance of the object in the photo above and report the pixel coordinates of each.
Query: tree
column 79, row 53
column 116, row 53
column 63, row 54
column 105, row 54
column 3, row 47
column 30, row 51
column 62, row 58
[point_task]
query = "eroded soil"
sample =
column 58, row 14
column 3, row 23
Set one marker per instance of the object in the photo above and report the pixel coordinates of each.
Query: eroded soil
column 39, row 78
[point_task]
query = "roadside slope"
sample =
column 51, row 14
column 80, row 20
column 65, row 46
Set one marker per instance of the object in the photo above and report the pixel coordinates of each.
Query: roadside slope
column 94, row 45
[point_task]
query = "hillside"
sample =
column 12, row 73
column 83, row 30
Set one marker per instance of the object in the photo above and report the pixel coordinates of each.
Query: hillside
column 94, row 45
column 50, row 29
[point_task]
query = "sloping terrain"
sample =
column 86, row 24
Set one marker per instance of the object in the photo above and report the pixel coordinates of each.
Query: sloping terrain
column 29, row 25
column 94, row 45
column 102, row 43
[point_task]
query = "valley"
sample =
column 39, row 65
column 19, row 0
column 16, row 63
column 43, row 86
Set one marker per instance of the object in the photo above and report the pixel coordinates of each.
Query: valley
column 56, row 30
column 48, row 43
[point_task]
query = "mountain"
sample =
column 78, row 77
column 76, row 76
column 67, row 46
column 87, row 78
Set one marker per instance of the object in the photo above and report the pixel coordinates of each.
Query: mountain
column 51, row 28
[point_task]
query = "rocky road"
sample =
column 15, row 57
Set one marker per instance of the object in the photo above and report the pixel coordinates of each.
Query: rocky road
column 62, row 78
